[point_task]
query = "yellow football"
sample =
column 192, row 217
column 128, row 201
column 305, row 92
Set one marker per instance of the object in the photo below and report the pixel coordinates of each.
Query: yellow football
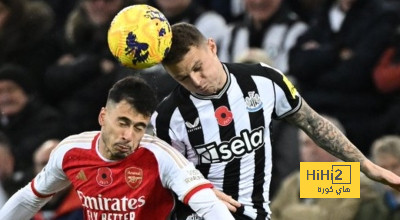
column 139, row 36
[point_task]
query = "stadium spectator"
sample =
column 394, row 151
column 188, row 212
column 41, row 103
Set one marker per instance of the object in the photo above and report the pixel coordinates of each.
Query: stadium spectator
column 25, row 119
column 6, row 166
column 386, row 78
column 386, row 74
column 287, row 205
column 61, row 11
column 119, row 171
column 26, row 36
column 65, row 204
column 386, row 153
column 219, row 118
column 78, row 82
column 210, row 23
column 267, row 24
column 333, row 63
column 306, row 9
column 231, row 10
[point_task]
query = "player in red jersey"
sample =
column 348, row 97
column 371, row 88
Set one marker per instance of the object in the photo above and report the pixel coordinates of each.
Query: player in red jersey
column 120, row 173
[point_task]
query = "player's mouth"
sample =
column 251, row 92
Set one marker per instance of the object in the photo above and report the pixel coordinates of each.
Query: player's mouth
column 123, row 148
column 204, row 90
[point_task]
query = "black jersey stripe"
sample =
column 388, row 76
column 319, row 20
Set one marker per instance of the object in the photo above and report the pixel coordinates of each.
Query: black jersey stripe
column 247, row 84
column 163, row 120
column 232, row 168
column 190, row 113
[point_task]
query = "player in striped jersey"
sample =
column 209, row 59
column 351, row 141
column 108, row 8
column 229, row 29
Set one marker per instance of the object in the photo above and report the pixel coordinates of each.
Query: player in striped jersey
column 219, row 118
column 120, row 173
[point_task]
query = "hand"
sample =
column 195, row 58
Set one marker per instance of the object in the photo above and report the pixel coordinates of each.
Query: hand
column 380, row 174
column 228, row 200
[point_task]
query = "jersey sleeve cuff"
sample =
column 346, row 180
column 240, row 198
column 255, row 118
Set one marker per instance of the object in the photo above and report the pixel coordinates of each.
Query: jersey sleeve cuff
column 194, row 190
column 37, row 193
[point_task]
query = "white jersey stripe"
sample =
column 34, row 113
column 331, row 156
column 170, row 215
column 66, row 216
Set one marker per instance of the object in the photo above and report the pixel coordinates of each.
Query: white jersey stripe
column 178, row 158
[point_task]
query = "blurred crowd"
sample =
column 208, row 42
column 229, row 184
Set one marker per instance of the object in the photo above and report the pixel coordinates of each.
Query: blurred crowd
column 342, row 55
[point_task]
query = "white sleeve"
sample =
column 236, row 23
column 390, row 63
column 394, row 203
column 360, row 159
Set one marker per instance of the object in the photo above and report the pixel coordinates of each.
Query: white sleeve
column 287, row 98
column 179, row 175
column 22, row 205
column 176, row 172
column 29, row 200
column 206, row 204
column 52, row 178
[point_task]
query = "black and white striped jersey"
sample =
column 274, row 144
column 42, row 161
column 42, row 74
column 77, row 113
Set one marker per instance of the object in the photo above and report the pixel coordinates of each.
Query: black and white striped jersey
column 227, row 135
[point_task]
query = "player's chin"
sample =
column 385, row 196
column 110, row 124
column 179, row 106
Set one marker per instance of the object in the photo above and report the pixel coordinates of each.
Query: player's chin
column 121, row 155
column 205, row 92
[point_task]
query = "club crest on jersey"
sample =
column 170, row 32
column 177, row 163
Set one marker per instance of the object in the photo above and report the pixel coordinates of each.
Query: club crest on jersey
column 193, row 127
column 253, row 102
column 133, row 177
column 104, row 176
column 223, row 115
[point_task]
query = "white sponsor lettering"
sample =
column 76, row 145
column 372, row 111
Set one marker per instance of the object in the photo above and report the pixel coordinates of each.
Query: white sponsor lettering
column 118, row 216
column 101, row 203
column 93, row 215
column 238, row 146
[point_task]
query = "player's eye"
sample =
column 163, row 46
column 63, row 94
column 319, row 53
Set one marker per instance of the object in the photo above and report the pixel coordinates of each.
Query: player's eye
column 181, row 78
column 123, row 123
column 197, row 69
column 139, row 128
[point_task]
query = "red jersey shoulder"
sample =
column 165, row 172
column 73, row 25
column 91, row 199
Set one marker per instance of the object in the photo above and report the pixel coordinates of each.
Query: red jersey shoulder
column 128, row 187
column 78, row 149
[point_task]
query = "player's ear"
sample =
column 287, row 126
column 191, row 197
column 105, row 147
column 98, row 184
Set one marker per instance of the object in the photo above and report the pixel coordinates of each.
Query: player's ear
column 102, row 114
column 212, row 45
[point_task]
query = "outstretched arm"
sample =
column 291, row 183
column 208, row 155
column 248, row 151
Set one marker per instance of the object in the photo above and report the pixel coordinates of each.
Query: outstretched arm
column 330, row 138
column 22, row 205
column 206, row 204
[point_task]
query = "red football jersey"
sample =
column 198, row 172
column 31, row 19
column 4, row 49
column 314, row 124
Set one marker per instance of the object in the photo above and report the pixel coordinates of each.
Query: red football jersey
column 137, row 187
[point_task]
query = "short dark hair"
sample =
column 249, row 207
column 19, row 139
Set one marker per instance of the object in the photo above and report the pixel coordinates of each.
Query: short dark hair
column 184, row 36
column 136, row 92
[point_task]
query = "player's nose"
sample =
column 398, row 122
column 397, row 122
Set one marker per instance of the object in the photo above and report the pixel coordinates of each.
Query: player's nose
column 196, row 80
column 128, row 134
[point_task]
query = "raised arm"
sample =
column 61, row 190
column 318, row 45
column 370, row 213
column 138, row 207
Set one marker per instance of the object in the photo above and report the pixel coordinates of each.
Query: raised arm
column 330, row 138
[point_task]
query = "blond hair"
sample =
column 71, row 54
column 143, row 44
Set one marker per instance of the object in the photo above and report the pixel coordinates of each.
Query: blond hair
column 388, row 144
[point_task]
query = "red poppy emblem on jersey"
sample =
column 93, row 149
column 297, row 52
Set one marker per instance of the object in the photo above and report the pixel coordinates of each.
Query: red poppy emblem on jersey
column 133, row 177
column 223, row 115
column 104, row 177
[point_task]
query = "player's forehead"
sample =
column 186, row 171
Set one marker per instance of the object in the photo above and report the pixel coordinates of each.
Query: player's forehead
column 185, row 66
column 125, row 110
